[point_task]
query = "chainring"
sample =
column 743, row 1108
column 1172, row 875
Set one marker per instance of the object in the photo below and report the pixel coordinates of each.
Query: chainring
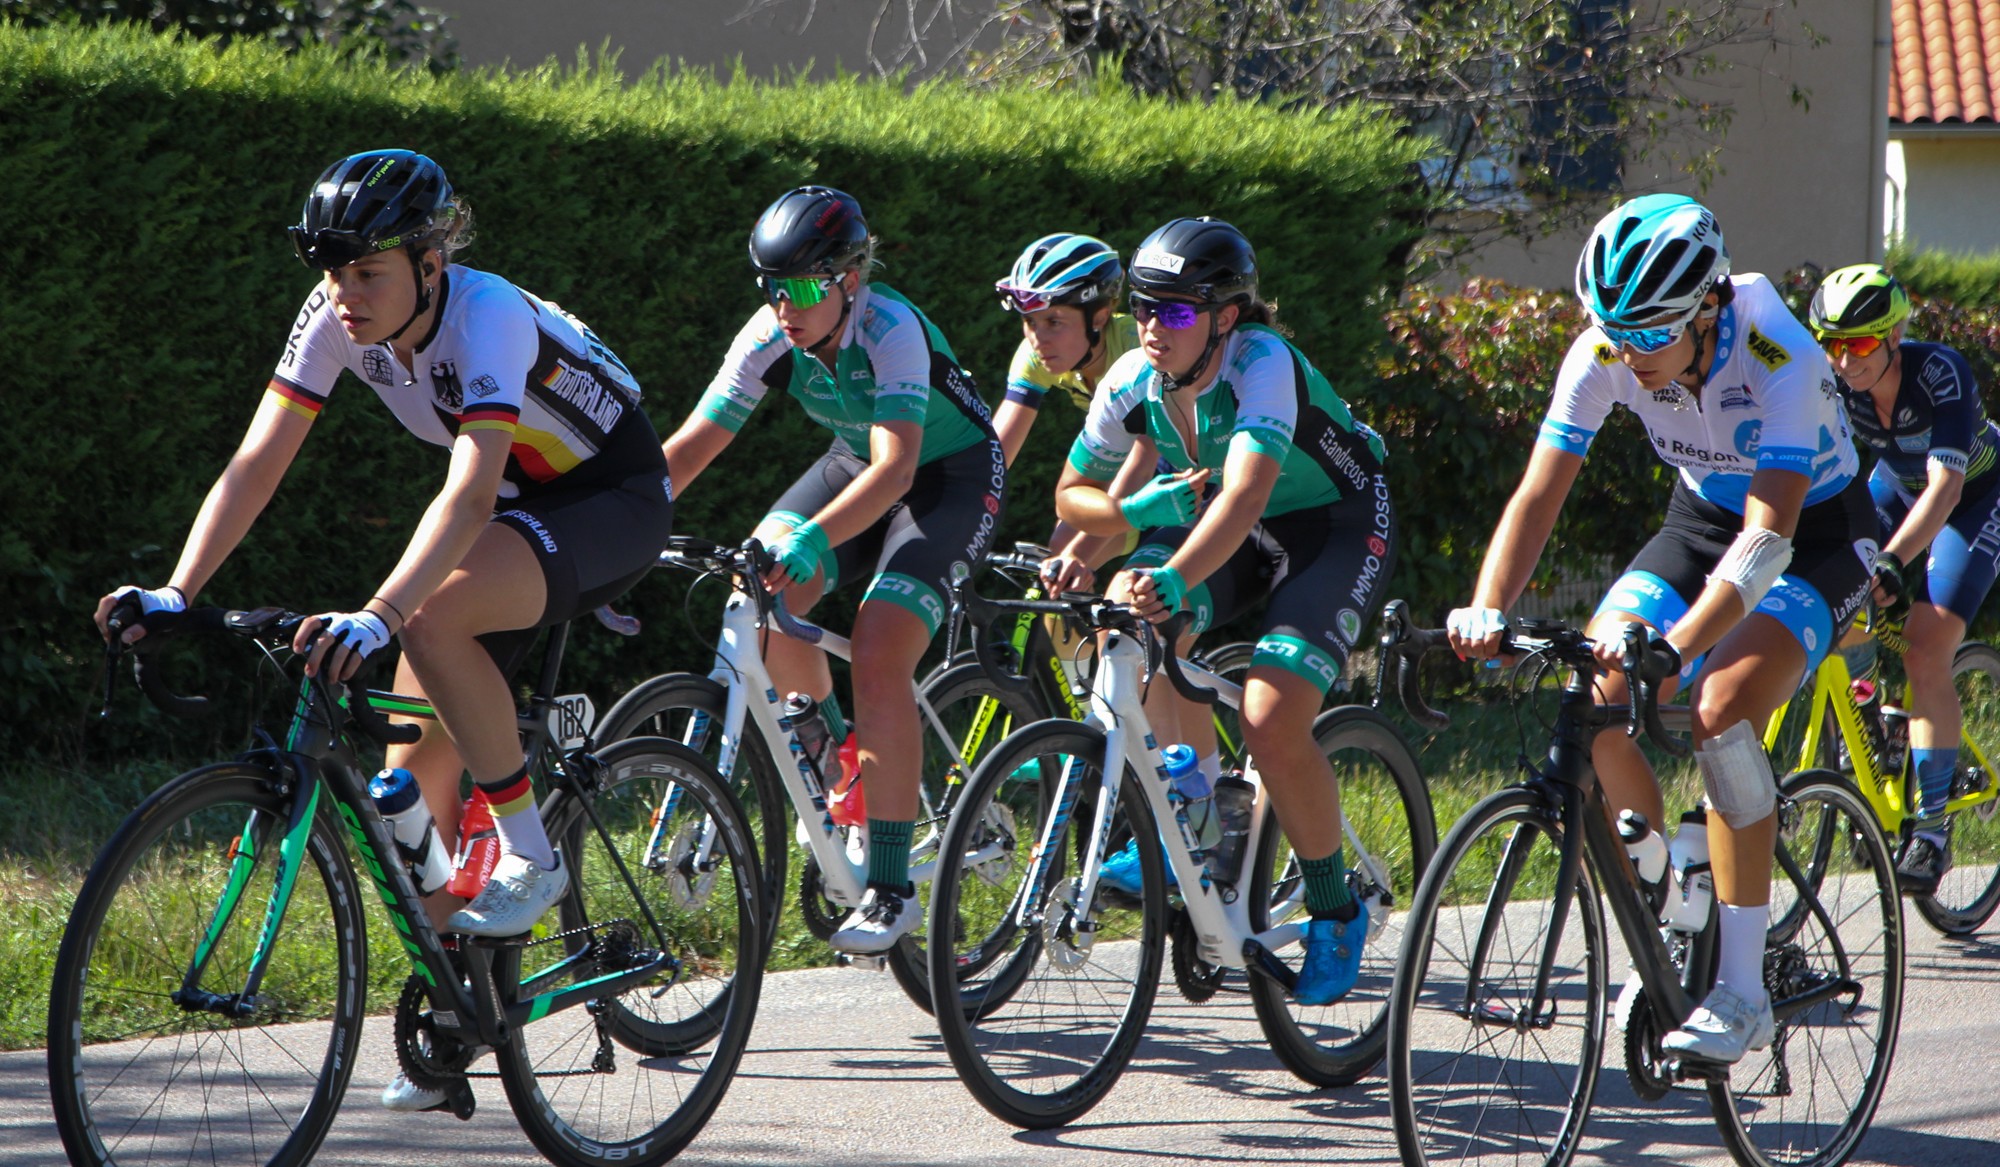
column 1645, row 1059
column 430, row 1060
column 822, row 916
column 1197, row 979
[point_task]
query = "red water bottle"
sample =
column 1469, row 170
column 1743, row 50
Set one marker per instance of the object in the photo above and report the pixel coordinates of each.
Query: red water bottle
column 847, row 802
column 478, row 848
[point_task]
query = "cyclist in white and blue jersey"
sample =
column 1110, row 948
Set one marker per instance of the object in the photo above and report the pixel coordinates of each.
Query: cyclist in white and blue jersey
column 1763, row 558
column 1917, row 407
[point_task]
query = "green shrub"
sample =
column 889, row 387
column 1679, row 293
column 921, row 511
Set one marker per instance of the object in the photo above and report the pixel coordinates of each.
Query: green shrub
column 1969, row 281
column 146, row 287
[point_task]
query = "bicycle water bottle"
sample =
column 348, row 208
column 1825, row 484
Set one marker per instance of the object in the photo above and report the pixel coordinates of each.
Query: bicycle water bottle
column 1693, row 888
column 1235, row 800
column 401, row 804
column 1649, row 856
column 1895, row 738
column 810, row 737
column 478, row 848
column 1197, row 810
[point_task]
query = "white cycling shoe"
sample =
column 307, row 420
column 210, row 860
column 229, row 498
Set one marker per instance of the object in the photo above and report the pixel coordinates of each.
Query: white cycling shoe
column 1724, row 1028
column 883, row 918
column 517, row 894
column 405, row 1096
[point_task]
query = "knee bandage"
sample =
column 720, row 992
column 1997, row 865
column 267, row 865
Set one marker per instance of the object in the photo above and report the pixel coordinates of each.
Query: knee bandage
column 1753, row 563
column 1737, row 775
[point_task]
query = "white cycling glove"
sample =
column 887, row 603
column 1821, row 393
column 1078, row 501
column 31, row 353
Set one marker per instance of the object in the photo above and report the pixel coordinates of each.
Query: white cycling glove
column 359, row 632
column 151, row 600
column 1475, row 623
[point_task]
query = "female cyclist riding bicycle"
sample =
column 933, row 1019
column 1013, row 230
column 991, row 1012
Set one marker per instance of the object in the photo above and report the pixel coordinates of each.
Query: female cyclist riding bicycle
column 556, row 500
column 1217, row 390
column 1065, row 288
column 911, row 489
column 1761, row 562
column 1917, row 406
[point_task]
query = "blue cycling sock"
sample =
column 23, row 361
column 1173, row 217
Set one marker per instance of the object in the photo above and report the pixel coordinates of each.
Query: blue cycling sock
column 1934, row 769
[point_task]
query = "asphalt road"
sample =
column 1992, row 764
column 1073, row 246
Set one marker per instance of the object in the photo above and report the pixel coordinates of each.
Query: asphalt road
column 842, row 1069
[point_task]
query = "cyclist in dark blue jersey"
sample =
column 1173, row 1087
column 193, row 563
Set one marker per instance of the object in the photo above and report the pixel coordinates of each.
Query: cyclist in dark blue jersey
column 1917, row 407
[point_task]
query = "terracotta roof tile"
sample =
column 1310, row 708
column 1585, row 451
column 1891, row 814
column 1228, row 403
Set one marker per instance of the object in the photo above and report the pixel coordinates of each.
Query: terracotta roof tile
column 1945, row 61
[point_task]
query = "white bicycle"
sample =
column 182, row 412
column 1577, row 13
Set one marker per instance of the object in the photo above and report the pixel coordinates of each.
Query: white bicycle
column 733, row 715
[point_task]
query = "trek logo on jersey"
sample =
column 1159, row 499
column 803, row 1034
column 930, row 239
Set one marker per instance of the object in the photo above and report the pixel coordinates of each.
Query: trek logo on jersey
column 483, row 386
column 1767, row 351
column 581, row 388
column 375, row 363
column 1738, row 397
column 1159, row 259
column 445, row 387
column 1264, row 421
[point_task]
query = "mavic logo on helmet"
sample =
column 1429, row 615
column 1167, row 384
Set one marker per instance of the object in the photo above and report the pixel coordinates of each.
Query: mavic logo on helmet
column 1159, row 258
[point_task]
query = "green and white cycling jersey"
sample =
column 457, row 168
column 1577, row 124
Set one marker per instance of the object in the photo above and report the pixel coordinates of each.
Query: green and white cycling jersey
column 1266, row 398
column 893, row 365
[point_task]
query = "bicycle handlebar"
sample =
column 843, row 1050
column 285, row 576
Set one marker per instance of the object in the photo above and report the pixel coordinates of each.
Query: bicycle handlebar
column 1095, row 613
column 747, row 566
column 1407, row 644
column 275, row 624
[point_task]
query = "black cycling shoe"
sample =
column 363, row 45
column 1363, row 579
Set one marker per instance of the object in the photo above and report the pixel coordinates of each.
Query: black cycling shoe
column 1923, row 864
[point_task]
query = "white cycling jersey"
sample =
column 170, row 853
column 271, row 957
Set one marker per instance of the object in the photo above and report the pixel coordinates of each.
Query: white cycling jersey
column 1770, row 402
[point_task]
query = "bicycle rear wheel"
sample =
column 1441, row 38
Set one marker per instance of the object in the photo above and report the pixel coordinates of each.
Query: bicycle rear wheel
column 1808, row 1099
column 1970, row 890
column 1476, row 1072
column 631, row 1079
column 1057, row 993
column 1388, row 839
column 138, row 1078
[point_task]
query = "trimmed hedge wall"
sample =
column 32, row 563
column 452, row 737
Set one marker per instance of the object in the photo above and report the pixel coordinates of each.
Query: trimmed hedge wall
column 146, row 287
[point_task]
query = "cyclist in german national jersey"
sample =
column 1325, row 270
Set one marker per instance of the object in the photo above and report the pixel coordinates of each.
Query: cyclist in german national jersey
column 1065, row 288
column 1762, row 560
column 1302, row 514
column 910, row 491
column 556, row 499
column 1917, row 406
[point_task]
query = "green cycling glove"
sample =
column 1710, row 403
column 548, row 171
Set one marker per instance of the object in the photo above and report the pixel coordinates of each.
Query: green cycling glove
column 1166, row 501
column 1172, row 588
column 799, row 550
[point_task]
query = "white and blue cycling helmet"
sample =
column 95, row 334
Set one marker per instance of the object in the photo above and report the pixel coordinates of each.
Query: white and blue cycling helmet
column 1650, row 261
column 1077, row 270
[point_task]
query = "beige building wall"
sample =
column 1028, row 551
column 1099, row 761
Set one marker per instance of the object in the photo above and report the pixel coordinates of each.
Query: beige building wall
column 1941, row 188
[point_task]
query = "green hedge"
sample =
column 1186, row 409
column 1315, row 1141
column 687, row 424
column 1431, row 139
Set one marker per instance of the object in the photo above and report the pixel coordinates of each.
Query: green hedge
column 1970, row 281
column 146, row 289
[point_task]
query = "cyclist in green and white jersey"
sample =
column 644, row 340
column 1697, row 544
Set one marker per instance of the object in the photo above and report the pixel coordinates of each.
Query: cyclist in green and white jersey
column 1302, row 515
column 910, row 490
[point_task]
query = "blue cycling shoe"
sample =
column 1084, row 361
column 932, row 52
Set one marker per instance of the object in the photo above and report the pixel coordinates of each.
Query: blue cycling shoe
column 1333, row 958
column 1121, row 872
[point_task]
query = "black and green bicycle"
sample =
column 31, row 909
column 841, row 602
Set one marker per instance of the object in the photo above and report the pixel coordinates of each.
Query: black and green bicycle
column 212, row 981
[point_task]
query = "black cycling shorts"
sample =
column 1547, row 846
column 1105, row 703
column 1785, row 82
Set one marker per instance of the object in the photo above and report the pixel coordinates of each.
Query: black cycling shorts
column 1326, row 570
column 592, row 544
column 947, row 518
column 1833, row 554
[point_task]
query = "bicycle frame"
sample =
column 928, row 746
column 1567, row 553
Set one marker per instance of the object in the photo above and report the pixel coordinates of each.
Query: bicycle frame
column 740, row 670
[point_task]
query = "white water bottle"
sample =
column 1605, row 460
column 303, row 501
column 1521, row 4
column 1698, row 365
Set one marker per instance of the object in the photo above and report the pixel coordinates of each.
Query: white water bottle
column 1692, row 891
column 401, row 805
column 1649, row 856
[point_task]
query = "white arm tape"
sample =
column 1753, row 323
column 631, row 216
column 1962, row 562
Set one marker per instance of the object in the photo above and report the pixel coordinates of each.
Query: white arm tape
column 1753, row 563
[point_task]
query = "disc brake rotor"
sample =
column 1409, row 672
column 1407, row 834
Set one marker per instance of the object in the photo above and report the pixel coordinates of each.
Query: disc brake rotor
column 1068, row 948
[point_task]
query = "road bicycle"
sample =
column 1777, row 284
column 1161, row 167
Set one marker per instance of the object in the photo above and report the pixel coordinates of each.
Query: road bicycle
column 1835, row 732
column 212, row 980
column 733, row 715
column 1499, row 1011
column 1059, row 987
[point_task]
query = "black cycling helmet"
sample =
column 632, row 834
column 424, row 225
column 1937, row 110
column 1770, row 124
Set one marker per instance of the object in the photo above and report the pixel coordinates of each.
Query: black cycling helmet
column 1204, row 258
column 814, row 230
column 370, row 202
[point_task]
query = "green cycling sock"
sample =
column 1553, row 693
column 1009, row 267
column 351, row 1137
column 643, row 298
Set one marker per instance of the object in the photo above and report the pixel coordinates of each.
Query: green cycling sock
column 1327, row 897
column 889, row 853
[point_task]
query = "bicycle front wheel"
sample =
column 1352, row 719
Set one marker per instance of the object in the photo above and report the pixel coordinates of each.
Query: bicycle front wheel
column 154, row 1055
column 1387, row 838
column 1836, row 984
column 1480, row 1071
column 1970, row 890
column 632, row 1078
column 1055, row 992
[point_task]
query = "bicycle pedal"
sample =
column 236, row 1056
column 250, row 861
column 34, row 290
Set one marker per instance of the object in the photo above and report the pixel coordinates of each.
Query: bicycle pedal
column 876, row 963
column 459, row 1099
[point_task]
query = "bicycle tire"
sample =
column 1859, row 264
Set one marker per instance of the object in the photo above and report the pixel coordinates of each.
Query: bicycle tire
column 1021, row 1045
column 1969, row 892
column 960, row 692
column 1533, row 1118
column 1770, row 1110
column 664, row 706
column 131, row 936
column 1389, row 819
column 577, row 1100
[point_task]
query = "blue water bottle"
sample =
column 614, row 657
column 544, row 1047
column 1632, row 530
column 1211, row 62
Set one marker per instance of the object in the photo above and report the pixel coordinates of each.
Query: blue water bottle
column 1197, row 801
column 401, row 805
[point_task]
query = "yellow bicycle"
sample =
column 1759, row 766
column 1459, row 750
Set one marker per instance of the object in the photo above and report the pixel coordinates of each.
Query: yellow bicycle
column 1837, row 735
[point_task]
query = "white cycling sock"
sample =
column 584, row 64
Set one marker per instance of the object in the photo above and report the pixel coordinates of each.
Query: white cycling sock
column 1741, row 958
